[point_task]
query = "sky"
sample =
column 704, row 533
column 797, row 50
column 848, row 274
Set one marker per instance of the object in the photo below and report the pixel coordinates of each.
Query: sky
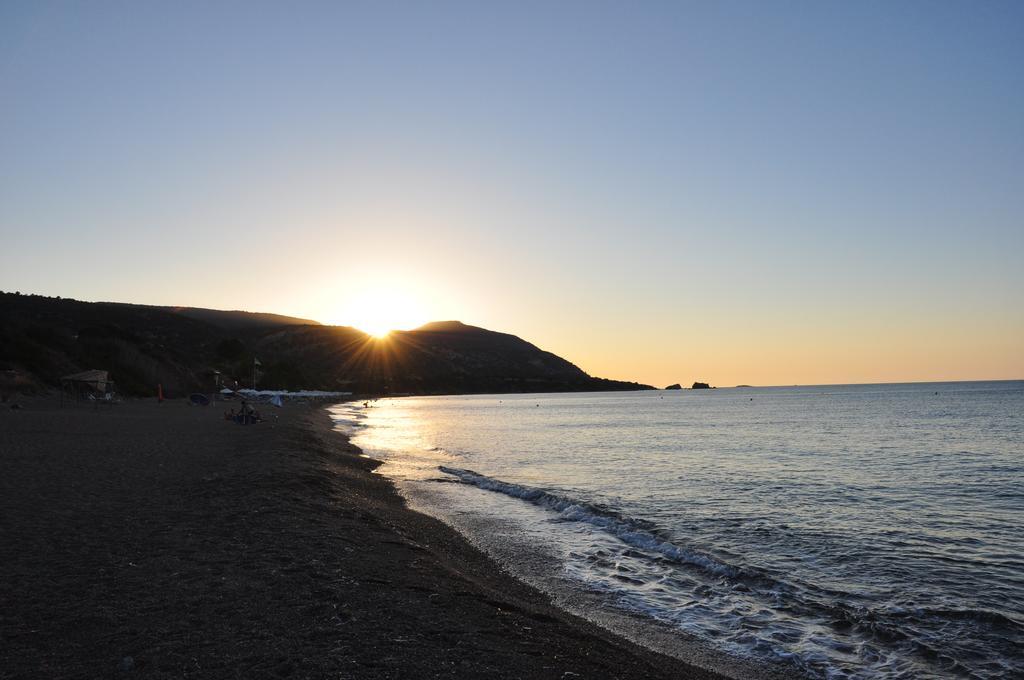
column 759, row 193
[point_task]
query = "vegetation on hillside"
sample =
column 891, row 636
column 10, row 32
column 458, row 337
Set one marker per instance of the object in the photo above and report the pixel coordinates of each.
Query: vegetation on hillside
column 184, row 349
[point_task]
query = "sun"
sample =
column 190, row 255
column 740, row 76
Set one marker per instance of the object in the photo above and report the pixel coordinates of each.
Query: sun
column 379, row 331
column 378, row 311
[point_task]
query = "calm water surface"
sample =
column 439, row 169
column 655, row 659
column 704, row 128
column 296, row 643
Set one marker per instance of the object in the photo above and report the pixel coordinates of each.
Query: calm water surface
column 867, row 531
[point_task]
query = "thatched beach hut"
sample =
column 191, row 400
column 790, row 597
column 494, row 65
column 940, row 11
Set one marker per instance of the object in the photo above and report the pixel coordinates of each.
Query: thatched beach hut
column 92, row 383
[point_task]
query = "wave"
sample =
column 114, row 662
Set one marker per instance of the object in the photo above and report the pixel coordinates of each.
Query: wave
column 980, row 617
column 917, row 632
column 630, row 531
column 347, row 420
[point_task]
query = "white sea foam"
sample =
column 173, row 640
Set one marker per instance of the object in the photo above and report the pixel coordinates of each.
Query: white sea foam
column 570, row 509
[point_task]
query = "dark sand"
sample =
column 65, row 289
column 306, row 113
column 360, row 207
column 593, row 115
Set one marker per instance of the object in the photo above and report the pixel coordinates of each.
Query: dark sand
column 160, row 540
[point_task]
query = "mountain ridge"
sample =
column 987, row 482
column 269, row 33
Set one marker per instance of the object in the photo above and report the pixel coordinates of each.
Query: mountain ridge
column 185, row 349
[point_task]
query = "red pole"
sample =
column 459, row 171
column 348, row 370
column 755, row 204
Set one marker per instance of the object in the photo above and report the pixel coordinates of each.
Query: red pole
column 160, row 393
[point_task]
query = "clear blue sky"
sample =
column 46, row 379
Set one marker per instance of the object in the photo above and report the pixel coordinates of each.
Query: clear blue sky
column 741, row 192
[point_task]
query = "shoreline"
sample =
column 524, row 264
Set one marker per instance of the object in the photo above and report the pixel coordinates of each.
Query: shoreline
column 487, row 571
column 162, row 541
column 581, row 606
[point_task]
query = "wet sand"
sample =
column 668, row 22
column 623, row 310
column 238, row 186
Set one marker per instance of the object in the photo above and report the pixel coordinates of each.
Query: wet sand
column 159, row 540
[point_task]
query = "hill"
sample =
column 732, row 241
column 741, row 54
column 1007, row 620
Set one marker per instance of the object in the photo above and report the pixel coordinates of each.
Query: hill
column 235, row 320
column 438, row 358
column 44, row 338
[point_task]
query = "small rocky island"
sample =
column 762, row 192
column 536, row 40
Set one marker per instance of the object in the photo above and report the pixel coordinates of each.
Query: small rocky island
column 675, row 386
column 701, row 386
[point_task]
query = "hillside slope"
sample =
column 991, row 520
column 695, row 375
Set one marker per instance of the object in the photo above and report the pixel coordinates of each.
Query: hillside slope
column 238, row 321
column 44, row 338
column 434, row 359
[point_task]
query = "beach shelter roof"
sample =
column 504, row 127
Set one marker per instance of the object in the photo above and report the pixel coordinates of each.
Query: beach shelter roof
column 94, row 379
column 87, row 376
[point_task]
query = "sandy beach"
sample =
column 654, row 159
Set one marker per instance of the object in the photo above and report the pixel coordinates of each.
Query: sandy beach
column 160, row 540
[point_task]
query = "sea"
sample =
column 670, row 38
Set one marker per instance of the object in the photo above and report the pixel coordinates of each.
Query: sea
column 840, row 531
